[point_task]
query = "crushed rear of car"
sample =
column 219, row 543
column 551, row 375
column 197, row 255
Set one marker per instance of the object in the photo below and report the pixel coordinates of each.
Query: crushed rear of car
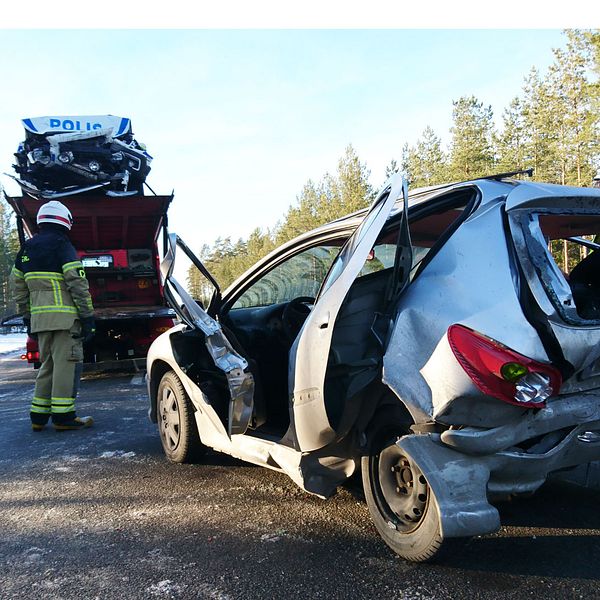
column 431, row 342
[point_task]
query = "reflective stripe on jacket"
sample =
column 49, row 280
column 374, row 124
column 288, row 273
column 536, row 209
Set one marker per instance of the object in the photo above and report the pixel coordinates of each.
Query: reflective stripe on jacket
column 50, row 283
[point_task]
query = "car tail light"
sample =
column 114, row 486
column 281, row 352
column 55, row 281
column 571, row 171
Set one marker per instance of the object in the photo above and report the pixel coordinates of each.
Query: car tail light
column 501, row 372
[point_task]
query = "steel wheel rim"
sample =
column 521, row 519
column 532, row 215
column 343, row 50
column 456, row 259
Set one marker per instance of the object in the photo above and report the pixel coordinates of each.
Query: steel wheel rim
column 401, row 490
column 169, row 418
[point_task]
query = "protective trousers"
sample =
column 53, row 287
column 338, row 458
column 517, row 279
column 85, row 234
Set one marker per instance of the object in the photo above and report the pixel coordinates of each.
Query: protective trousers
column 57, row 381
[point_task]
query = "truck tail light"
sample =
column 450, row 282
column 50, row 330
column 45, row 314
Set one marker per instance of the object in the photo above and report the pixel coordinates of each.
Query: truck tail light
column 161, row 325
column 32, row 351
column 33, row 356
column 501, row 372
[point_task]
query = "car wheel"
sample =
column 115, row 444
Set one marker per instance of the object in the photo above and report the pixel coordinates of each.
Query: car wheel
column 400, row 501
column 176, row 423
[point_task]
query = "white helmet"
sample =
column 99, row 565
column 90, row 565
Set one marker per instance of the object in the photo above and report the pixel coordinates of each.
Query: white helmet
column 55, row 212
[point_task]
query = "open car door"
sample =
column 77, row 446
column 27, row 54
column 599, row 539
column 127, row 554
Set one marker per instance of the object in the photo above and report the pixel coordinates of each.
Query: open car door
column 310, row 351
column 235, row 367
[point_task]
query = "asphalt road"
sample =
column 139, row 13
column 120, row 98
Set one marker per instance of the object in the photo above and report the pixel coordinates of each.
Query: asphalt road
column 101, row 514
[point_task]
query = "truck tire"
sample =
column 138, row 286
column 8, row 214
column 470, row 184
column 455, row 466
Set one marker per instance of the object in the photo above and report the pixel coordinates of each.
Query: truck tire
column 400, row 501
column 176, row 424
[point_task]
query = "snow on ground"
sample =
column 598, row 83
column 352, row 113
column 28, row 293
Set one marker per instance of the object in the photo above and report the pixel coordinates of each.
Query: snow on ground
column 12, row 343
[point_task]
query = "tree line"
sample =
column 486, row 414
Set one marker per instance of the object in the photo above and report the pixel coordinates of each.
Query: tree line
column 552, row 127
column 9, row 246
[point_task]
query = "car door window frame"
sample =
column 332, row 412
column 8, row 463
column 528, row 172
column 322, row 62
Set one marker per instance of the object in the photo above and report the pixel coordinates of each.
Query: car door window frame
column 445, row 202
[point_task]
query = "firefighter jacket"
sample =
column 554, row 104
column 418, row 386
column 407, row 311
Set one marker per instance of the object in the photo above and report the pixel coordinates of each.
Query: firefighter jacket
column 49, row 281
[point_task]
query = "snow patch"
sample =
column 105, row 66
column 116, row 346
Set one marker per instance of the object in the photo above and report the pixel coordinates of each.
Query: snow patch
column 117, row 454
column 164, row 588
column 12, row 343
column 272, row 537
column 73, row 458
column 33, row 555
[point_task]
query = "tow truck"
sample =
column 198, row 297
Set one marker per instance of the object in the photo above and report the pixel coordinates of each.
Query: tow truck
column 116, row 228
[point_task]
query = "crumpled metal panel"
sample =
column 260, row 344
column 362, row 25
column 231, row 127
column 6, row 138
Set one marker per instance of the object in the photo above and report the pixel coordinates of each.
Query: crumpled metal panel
column 241, row 390
column 470, row 282
column 459, row 485
column 462, row 483
column 560, row 413
column 225, row 357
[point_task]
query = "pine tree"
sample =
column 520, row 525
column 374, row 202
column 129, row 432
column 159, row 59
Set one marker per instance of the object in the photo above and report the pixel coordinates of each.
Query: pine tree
column 333, row 197
column 9, row 246
column 391, row 169
column 471, row 152
column 573, row 122
column 351, row 188
column 304, row 216
column 511, row 143
column 426, row 162
column 538, row 123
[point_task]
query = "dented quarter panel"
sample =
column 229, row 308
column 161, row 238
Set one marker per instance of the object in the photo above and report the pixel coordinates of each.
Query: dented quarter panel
column 559, row 413
column 463, row 506
column 469, row 281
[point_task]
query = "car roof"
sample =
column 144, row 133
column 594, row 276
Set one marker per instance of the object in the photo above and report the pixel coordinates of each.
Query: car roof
column 491, row 189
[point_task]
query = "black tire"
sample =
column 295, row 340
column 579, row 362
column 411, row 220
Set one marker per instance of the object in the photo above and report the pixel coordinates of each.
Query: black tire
column 176, row 424
column 401, row 503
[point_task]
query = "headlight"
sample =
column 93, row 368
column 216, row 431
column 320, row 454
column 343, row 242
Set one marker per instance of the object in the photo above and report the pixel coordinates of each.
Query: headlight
column 65, row 157
column 39, row 156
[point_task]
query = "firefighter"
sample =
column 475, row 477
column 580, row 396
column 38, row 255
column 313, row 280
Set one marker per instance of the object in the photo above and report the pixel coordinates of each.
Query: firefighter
column 52, row 294
column 596, row 180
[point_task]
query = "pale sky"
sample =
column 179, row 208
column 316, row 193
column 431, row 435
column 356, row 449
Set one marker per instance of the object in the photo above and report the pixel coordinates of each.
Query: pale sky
column 238, row 120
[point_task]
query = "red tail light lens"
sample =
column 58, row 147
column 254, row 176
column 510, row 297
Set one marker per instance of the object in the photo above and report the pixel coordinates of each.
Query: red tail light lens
column 32, row 350
column 502, row 373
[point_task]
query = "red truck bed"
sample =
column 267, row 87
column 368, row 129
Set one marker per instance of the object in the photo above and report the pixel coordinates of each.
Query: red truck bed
column 116, row 239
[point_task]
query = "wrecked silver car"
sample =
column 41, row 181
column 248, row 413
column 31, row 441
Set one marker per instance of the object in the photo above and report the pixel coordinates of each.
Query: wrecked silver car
column 431, row 342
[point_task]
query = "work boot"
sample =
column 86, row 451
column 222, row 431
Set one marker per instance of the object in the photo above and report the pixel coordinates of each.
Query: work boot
column 74, row 423
column 37, row 426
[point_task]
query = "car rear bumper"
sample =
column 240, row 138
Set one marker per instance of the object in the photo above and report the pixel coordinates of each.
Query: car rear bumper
column 467, row 467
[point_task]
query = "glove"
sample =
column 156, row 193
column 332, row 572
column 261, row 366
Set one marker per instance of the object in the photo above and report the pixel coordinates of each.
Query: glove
column 27, row 323
column 88, row 329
